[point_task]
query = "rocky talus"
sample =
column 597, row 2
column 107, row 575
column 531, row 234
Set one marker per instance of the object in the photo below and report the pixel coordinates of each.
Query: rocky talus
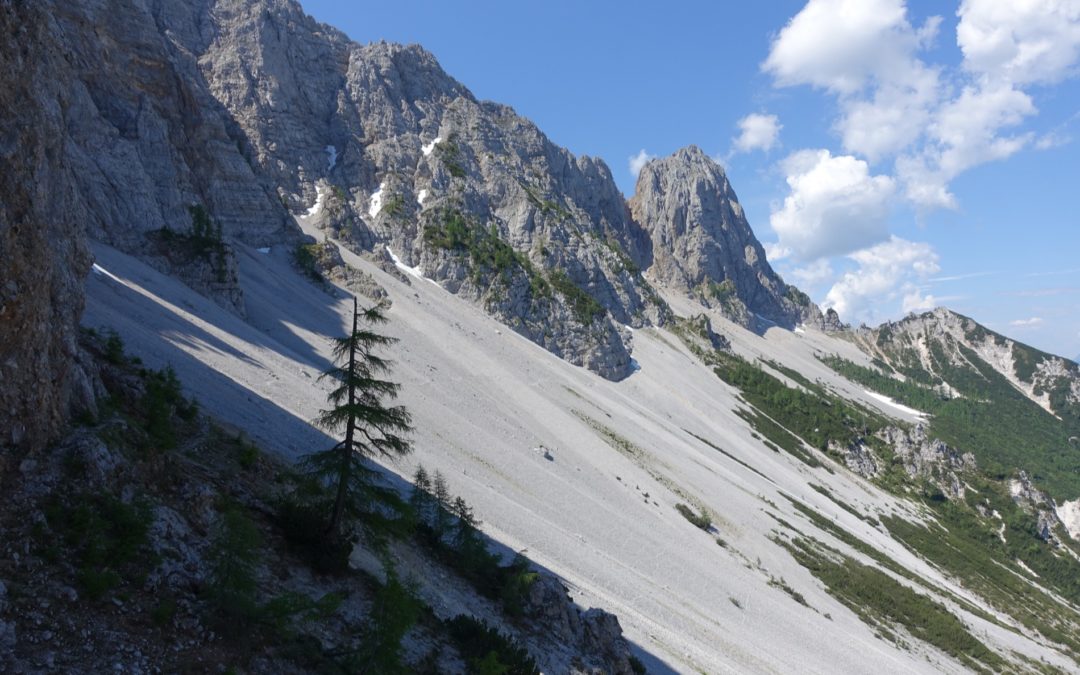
column 702, row 244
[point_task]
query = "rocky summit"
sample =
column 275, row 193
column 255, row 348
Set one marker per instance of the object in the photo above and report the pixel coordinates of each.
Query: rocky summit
column 702, row 244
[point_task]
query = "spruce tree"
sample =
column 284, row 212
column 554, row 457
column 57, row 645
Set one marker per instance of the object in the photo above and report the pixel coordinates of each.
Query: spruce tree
column 421, row 499
column 442, row 504
column 359, row 405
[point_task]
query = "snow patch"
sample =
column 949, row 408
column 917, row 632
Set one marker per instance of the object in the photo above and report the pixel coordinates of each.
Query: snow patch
column 102, row 272
column 426, row 149
column 265, row 249
column 799, row 330
column 888, row 401
column 376, row 201
column 415, row 271
column 1069, row 514
column 320, row 199
column 331, row 157
column 421, row 196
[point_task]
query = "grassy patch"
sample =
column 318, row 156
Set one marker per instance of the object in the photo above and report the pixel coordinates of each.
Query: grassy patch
column 1000, row 425
column 970, row 549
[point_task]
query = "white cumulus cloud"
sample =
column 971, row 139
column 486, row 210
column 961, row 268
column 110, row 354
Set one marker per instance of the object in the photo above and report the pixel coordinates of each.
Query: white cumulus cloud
column 1026, row 323
column 864, row 51
column 636, row 162
column 886, row 272
column 835, row 207
column 813, row 274
column 758, row 131
column 964, row 133
column 774, row 251
column 915, row 301
column 840, row 44
column 936, row 123
column 1020, row 42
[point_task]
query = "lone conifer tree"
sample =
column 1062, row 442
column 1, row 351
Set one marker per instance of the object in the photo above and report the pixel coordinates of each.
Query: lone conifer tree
column 372, row 428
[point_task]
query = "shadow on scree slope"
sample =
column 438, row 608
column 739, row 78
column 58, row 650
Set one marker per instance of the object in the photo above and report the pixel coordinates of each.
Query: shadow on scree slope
column 112, row 305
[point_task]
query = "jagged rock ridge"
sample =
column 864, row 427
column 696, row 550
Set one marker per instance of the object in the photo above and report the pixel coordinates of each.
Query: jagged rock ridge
column 939, row 339
column 257, row 112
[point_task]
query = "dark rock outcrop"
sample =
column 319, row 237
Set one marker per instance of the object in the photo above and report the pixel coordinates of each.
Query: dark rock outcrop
column 594, row 636
column 43, row 255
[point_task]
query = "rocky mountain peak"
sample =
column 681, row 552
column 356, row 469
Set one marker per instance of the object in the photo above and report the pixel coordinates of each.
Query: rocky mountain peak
column 703, row 245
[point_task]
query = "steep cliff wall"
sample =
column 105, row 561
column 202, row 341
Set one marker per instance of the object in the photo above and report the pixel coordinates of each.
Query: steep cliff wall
column 43, row 257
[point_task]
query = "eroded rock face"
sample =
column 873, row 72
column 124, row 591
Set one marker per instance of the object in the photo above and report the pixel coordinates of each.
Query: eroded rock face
column 385, row 150
column 43, row 255
column 703, row 245
column 1038, row 504
column 858, row 457
column 258, row 113
column 929, row 458
column 146, row 139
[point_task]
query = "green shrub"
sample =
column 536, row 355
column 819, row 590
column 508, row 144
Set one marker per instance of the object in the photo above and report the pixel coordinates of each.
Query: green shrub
column 487, row 650
column 304, row 526
column 447, row 528
column 698, row 520
column 234, row 556
column 114, row 348
column 306, row 258
column 104, row 538
column 395, row 610
column 393, row 206
column 584, row 306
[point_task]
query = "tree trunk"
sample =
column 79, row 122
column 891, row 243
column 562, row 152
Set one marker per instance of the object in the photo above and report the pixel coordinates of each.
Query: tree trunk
column 350, row 429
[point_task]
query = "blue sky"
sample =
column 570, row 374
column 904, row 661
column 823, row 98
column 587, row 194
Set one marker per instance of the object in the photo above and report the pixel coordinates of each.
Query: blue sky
column 892, row 155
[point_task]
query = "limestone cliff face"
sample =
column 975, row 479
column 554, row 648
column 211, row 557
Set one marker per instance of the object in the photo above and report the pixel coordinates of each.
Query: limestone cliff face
column 255, row 112
column 703, row 245
column 145, row 137
column 252, row 110
column 43, row 256
column 393, row 153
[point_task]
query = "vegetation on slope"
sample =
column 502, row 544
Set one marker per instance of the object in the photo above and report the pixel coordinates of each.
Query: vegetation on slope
column 788, row 416
column 964, row 539
column 171, row 519
column 1003, row 428
column 886, row 604
column 491, row 258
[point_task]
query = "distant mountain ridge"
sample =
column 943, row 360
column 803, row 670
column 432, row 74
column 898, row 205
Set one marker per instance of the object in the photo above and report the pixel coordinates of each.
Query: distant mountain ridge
column 1011, row 403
